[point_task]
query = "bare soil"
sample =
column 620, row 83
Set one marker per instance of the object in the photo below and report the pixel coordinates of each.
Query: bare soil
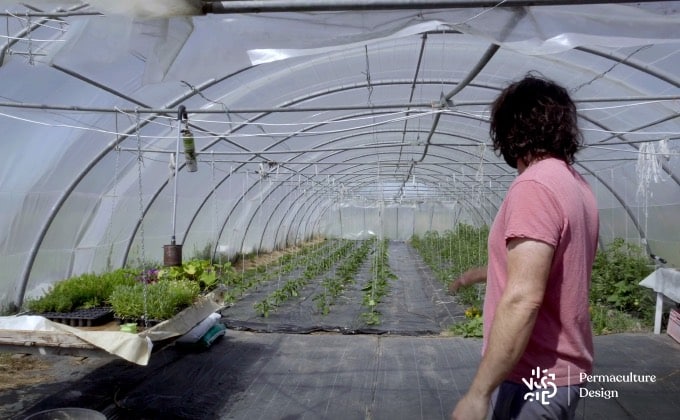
column 269, row 257
column 22, row 369
column 26, row 378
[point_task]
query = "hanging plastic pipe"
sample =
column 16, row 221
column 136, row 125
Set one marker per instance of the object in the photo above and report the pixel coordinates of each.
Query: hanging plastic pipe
column 189, row 149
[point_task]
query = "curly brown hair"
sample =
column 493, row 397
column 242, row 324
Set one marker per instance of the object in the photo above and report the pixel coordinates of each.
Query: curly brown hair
column 532, row 119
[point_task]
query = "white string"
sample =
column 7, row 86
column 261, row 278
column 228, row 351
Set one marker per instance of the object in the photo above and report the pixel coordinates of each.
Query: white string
column 648, row 152
column 46, row 19
column 140, row 162
column 612, row 201
column 649, row 169
column 632, row 133
column 109, row 229
column 142, row 253
column 602, row 108
column 406, row 115
column 29, row 40
column 237, row 135
column 214, row 203
column 76, row 127
column 480, row 13
column 31, row 59
column 115, row 187
column 425, row 111
column 649, row 166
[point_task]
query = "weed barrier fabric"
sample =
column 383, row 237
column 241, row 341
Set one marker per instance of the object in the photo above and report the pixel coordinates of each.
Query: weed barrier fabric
column 399, row 372
column 415, row 304
column 250, row 376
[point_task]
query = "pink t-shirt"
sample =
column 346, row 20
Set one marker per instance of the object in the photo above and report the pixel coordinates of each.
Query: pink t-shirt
column 552, row 203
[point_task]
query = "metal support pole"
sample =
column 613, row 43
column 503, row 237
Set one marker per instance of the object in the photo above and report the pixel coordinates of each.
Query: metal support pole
column 271, row 6
column 658, row 310
column 181, row 115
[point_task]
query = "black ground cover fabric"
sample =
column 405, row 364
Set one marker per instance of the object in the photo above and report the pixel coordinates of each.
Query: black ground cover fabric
column 264, row 369
column 276, row 376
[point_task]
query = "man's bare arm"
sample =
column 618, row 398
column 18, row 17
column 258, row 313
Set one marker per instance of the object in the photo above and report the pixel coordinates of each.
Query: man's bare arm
column 469, row 277
column 528, row 268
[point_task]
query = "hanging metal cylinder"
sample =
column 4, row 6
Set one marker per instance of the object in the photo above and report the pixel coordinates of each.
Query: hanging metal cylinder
column 172, row 255
column 189, row 150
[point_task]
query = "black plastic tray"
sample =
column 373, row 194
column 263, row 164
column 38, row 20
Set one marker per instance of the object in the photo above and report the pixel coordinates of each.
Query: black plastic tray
column 82, row 317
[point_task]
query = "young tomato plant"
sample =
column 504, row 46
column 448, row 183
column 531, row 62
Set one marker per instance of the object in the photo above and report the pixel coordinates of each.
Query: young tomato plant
column 617, row 272
column 376, row 289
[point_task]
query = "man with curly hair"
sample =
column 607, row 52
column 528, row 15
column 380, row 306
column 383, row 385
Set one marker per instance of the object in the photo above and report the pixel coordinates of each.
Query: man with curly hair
column 537, row 333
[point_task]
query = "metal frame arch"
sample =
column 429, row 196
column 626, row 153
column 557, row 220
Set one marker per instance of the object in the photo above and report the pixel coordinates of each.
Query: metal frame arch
column 453, row 195
column 18, row 36
column 632, row 63
column 255, row 154
column 358, row 175
column 444, row 157
column 481, row 218
column 161, row 187
column 640, row 67
column 134, row 232
column 439, row 165
column 607, row 186
column 631, row 215
column 309, row 210
column 185, row 234
column 226, row 7
column 269, row 218
column 290, row 215
column 359, row 165
column 305, row 212
column 610, row 189
column 260, row 153
column 56, row 207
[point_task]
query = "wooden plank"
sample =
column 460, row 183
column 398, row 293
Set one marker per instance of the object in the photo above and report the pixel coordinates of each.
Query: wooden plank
column 42, row 339
column 55, row 351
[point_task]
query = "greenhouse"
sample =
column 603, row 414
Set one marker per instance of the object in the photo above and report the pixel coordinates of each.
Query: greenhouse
column 301, row 162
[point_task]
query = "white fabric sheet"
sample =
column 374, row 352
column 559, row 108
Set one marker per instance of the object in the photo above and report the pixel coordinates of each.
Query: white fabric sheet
column 665, row 281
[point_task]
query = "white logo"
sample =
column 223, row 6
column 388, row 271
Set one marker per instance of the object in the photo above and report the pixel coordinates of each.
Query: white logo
column 541, row 385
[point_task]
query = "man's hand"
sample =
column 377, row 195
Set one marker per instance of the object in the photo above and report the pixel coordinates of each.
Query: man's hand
column 471, row 276
column 471, row 407
column 455, row 285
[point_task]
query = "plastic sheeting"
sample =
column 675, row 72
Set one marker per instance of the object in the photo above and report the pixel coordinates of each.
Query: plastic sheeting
column 306, row 122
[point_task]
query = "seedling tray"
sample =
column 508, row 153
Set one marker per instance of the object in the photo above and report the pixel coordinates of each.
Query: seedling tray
column 82, row 317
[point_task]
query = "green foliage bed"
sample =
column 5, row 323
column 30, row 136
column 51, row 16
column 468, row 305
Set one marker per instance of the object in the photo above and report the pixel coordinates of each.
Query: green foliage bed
column 152, row 294
column 617, row 302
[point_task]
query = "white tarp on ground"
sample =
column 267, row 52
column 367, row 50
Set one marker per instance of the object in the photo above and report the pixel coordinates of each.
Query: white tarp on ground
column 134, row 348
column 130, row 347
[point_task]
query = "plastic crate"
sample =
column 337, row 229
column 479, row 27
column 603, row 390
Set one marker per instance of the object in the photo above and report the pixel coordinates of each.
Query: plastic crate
column 674, row 325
